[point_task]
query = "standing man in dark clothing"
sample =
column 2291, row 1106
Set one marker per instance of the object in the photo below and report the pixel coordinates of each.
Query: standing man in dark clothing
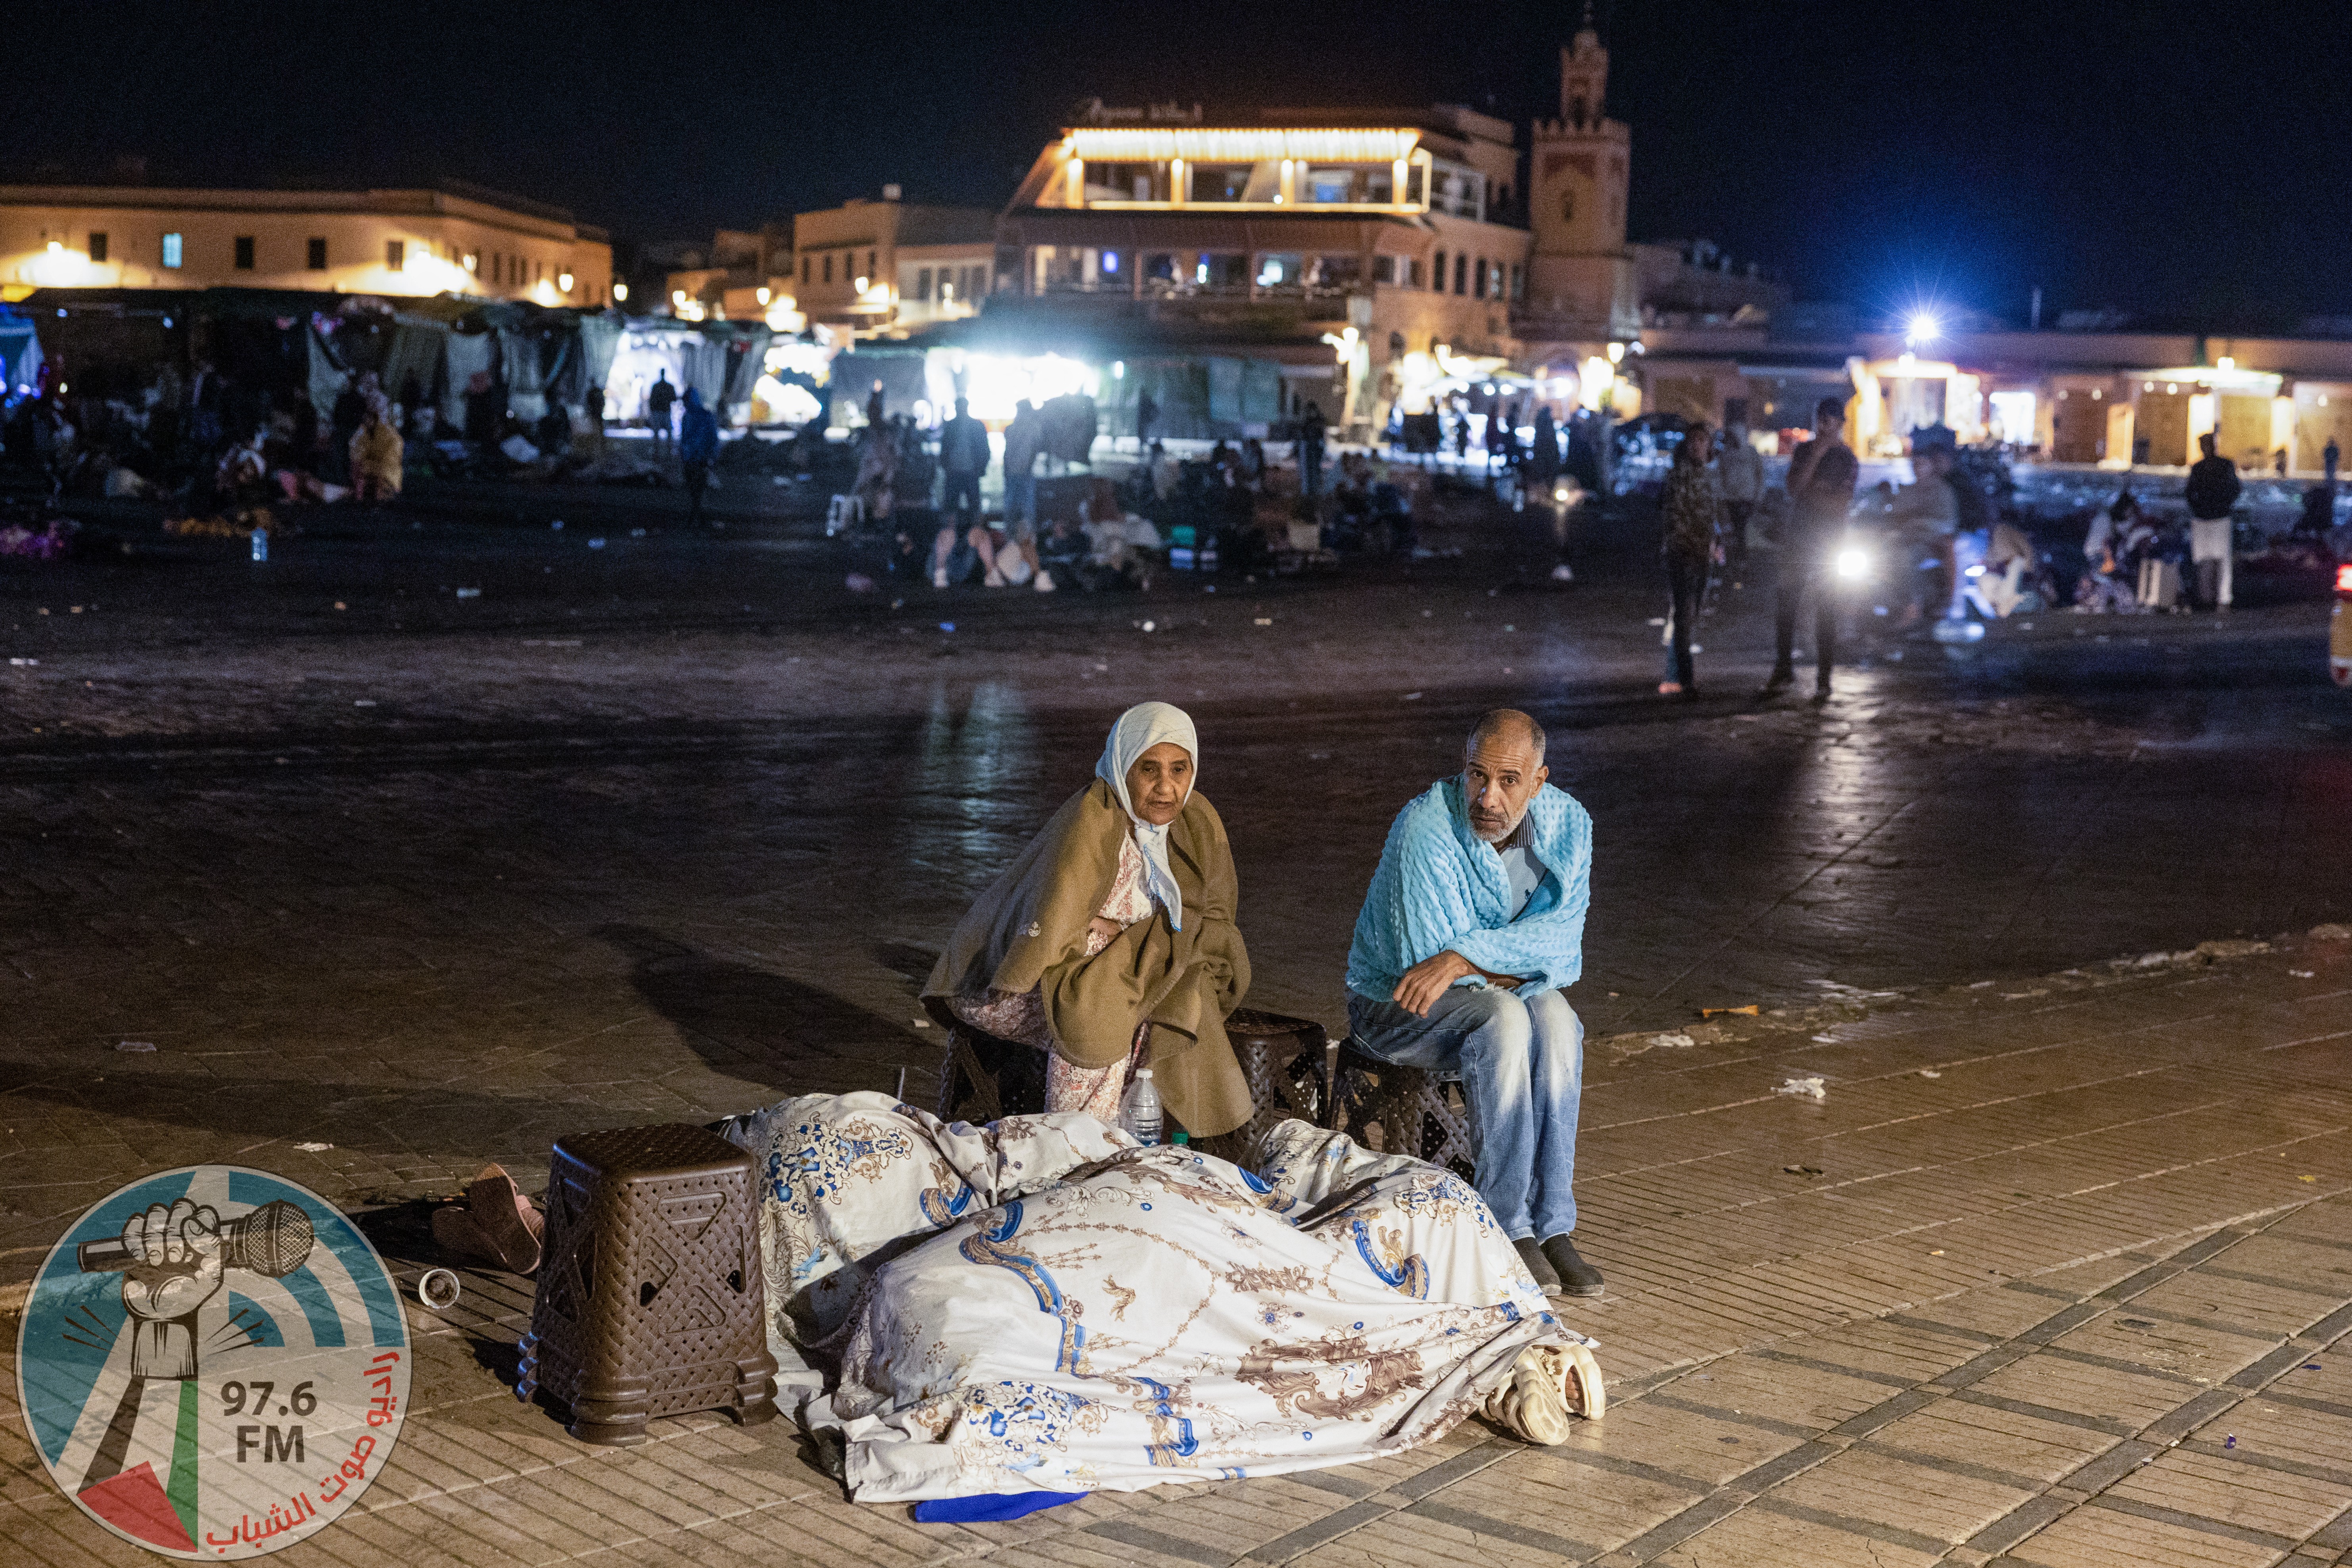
column 658, row 405
column 697, row 448
column 1310, row 454
column 350, row 414
column 1821, row 490
column 1147, row 415
column 1692, row 513
column 412, row 402
column 592, row 405
column 2212, row 490
column 963, row 458
column 876, row 409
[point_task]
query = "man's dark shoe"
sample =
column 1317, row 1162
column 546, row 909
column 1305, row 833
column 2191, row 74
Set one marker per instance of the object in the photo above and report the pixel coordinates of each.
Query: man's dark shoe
column 1577, row 1277
column 1779, row 680
column 1531, row 1255
column 1822, row 689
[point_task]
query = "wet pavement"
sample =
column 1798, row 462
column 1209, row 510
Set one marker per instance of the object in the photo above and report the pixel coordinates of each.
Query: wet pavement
column 666, row 827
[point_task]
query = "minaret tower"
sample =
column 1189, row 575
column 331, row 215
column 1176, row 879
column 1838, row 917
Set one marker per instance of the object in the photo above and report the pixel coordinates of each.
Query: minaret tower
column 1581, row 273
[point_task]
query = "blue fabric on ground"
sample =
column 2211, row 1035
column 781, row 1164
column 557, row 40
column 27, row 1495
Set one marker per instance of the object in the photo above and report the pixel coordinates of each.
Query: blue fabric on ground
column 986, row 1510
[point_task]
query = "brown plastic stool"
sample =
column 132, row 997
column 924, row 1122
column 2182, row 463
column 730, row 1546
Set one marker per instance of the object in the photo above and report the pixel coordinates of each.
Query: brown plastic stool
column 1410, row 1111
column 649, row 1296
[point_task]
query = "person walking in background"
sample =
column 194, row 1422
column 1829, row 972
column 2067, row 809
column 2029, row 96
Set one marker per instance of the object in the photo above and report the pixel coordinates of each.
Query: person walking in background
column 1821, row 491
column 1739, row 480
column 2212, row 493
column 592, row 408
column 697, row 448
column 1025, row 439
column 1692, row 515
column 2328, row 457
column 963, row 458
column 1310, row 454
column 876, row 409
column 1147, row 415
column 657, row 406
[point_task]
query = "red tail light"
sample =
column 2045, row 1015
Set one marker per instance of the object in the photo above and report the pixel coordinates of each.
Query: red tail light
column 2344, row 578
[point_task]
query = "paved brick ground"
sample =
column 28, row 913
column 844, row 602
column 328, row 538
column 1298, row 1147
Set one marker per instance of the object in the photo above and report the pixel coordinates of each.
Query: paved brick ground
column 2070, row 1287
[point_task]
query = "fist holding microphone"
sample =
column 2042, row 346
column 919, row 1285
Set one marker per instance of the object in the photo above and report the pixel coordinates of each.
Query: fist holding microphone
column 173, row 1260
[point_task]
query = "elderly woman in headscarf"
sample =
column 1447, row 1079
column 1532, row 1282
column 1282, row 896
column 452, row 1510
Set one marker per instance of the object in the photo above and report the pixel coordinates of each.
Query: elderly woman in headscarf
column 1109, row 944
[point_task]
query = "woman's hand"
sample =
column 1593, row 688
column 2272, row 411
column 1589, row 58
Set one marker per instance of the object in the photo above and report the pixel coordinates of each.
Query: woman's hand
column 1107, row 930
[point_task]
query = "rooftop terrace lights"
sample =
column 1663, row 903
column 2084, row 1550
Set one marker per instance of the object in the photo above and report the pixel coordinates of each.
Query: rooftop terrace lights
column 1383, row 170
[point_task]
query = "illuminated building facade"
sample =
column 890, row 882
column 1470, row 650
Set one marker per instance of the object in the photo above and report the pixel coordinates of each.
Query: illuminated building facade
column 878, row 268
column 451, row 238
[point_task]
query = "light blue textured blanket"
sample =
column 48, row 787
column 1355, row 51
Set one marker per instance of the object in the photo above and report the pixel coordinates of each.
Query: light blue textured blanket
column 1439, row 887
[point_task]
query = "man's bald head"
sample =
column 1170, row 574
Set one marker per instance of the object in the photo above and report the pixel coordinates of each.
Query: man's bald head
column 1507, row 724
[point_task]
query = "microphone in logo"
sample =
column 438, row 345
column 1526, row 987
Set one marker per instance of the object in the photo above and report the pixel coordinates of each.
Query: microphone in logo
column 273, row 1240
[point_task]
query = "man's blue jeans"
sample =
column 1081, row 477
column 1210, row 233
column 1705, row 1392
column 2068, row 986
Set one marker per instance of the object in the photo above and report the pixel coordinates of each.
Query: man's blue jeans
column 1521, row 1064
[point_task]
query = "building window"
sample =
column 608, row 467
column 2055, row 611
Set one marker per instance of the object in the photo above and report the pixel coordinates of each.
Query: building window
column 1440, row 270
column 396, row 255
column 171, row 250
column 1461, row 274
column 318, row 257
column 869, row 264
column 923, row 283
column 1383, row 269
column 1518, row 282
column 828, row 267
column 96, row 245
column 244, row 257
column 805, row 270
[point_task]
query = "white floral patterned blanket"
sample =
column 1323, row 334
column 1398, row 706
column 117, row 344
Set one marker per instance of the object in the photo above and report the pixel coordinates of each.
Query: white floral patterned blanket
column 1041, row 1304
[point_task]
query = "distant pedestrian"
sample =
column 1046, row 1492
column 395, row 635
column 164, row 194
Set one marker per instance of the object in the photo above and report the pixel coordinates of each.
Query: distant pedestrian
column 1692, row 514
column 658, row 401
column 552, row 433
column 2328, row 456
column 697, row 448
column 2212, row 493
column 877, row 406
column 963, row 458
column 1821, row 491
column 1739, row 477
column 592, row 408
column 374, row 452
column 1147, row 415
column 1024, row 442
column 1310, row 454
column 1543, row 451
column 412, row 404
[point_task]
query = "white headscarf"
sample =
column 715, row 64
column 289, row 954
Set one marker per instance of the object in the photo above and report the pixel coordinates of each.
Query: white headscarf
column 1139, row 730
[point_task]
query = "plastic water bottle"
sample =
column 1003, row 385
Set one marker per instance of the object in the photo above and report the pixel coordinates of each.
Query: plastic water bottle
column 261, row 545
column 1138, row 1111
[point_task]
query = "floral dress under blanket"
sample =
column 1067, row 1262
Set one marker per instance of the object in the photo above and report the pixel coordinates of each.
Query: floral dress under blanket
column 1022, row 1016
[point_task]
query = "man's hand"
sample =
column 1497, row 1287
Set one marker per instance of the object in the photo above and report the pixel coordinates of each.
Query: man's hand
column 1425, row 982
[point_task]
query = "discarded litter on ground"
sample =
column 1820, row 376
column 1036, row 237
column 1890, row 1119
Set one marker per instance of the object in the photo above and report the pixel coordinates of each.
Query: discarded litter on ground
column 1804, row 1089
column 1749, row 1011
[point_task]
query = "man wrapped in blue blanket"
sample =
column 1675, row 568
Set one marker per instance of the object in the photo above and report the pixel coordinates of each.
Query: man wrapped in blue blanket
column 1473, row 924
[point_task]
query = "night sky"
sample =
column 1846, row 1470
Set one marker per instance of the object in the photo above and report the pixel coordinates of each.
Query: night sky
column 2169, row 160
